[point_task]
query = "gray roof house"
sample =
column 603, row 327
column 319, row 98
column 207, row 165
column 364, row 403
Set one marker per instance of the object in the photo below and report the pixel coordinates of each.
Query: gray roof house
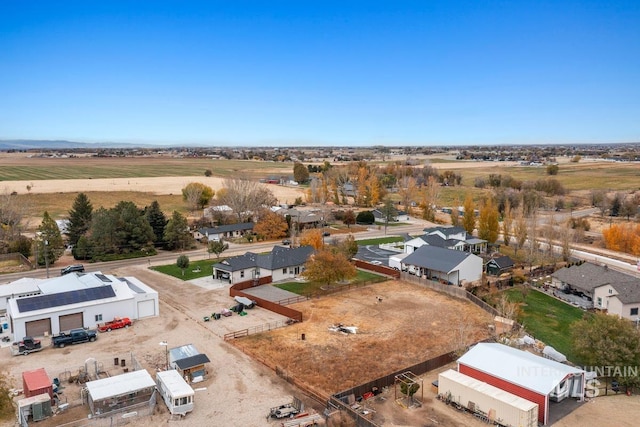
column 612, row 291
column 221, row 232
column 449, row 238
column 449, row 266
column 282, row 263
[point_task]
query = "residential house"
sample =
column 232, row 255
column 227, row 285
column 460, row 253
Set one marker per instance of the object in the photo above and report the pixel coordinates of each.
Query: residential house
column 454, row 238
column 450, row 266
column 612, row 291
column 281, row 264
column 223, row 232
column 396, row 215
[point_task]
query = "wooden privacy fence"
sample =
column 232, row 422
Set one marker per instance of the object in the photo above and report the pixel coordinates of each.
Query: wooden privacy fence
column 382, row 269
column 340, row 400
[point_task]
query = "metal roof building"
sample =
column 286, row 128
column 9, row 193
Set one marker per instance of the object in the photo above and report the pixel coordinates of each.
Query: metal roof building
column 524, row 374
column 120, row 392
column 78, row 300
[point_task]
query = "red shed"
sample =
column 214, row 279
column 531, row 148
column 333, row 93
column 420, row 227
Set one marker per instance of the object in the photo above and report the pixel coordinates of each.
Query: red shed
column 36, row 382
column 524, row 374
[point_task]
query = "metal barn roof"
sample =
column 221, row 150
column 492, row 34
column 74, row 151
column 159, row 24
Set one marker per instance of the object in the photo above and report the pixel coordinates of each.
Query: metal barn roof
column 517, row 367
column 119, row 385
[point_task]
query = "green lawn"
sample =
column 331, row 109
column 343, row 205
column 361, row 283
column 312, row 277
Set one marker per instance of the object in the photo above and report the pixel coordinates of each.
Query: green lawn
column 308, row 288
column 205, row 267
column 547, row 318
column 377, row 241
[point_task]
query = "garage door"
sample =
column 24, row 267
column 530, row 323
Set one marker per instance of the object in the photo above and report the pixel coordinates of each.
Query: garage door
column 38, row 328
column 146, row 308
column 71, row 321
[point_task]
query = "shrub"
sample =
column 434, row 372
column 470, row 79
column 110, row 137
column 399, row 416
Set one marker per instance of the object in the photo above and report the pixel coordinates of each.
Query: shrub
column 365, row 217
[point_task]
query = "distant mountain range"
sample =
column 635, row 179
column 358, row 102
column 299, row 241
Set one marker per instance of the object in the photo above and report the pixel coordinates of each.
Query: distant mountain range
column 31, row 144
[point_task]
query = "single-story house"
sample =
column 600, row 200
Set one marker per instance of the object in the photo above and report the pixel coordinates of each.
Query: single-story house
column 282, row 263
column 189, row 362
column 450, row 266
column 499, row 265
column 613, row 291
column 523, row 374
column 222, row 232
column 303, row 219
column 395, row 216
column 77, row 300
column 120, row 393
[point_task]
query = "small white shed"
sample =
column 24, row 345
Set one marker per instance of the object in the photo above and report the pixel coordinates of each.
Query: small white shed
column 176, row 393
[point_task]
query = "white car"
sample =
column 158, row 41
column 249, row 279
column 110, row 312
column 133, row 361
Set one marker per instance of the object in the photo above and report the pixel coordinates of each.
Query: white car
column 376, row 262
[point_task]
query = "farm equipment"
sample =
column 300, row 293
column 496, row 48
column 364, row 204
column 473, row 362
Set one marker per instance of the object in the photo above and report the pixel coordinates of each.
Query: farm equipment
column 288, row 410
column 26, row 346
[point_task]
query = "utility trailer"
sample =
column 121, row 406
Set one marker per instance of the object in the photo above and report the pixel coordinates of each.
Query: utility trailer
column 26, row 346
column 288, row 410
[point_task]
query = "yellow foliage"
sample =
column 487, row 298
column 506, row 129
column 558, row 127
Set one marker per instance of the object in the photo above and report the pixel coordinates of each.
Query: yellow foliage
column 623, row 238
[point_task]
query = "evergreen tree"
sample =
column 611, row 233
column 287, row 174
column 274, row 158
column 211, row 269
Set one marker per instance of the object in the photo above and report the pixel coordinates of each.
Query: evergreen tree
column 157, row 220
column 49, row 242
column 176, row 233
column 133, row 230
column 79, row 218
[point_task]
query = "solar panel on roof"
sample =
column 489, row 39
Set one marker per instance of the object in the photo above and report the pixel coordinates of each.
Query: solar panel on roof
column 40, row 302
column 103, row 278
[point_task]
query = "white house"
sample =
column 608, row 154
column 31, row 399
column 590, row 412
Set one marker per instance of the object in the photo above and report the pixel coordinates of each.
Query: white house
column 282, row 263
column 79, row 300
column 454, row 238
column 452, row 267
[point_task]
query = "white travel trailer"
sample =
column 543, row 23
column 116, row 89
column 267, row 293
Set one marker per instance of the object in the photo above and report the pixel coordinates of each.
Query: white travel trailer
column 177, row 394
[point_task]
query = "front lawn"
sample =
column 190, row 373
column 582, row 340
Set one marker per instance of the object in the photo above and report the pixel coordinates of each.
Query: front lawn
column 547, row 318
column 196, row 269
column 379, row 240
column 309, row 288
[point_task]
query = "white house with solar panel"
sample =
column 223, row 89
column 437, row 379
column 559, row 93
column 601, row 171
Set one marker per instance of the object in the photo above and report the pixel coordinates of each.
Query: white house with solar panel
column 41, row 307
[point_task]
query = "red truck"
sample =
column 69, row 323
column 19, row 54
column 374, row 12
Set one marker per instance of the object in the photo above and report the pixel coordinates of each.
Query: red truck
column 117, row 323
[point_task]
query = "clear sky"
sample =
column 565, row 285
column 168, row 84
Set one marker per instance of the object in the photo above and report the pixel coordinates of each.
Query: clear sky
column 304, row 72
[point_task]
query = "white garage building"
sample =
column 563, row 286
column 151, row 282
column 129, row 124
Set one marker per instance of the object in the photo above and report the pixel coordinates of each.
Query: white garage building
column 79, row 300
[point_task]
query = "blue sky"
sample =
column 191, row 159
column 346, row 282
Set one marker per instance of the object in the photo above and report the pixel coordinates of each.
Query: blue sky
column 296, row 73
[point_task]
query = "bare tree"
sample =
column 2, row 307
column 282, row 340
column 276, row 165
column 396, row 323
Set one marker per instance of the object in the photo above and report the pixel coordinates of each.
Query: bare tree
column 245, row 197
column 12, row 212
column 507, row 221
column 520, row 229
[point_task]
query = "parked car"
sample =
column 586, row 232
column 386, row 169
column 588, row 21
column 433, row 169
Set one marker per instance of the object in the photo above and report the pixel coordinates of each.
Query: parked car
column 116, row 323
column 76, row 268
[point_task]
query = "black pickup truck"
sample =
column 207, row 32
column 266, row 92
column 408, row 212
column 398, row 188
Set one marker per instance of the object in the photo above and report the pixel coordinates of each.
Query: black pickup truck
column 74, row 336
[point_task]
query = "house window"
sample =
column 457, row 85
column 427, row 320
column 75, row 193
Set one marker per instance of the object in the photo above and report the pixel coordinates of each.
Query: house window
column 98, row 317
column 284, row 270
column 634, row 311
column 599, row 302
column 610, row 290
column 242, row 273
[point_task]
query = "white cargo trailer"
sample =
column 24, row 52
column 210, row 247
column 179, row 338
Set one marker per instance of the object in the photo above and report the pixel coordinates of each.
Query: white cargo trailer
column 176, row 393
column 395, row 261
column 499, row 406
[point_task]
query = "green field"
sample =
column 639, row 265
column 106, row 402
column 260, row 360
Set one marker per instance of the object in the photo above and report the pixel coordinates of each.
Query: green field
column 547, row 318
column 91, row 168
